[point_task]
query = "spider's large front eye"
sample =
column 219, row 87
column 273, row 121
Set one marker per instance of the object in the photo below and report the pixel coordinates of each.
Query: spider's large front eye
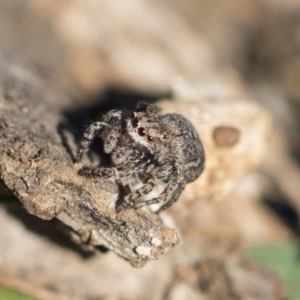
column 141, row 131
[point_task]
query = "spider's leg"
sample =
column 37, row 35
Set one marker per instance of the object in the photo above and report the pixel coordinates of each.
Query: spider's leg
column 110, row 138
column 131, row 199
column 89, row 135
column 168, row 192
column 113, row 118
column 108, row 173
column 173, row 197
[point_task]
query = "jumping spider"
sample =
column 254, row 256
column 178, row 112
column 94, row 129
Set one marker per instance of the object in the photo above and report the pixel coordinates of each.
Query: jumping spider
column 156, row 148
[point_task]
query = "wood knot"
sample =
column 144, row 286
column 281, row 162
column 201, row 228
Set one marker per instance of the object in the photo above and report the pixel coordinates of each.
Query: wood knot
column 226, row 136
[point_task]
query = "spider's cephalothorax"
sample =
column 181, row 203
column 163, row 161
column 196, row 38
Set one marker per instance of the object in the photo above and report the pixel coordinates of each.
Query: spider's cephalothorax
column 156, row 148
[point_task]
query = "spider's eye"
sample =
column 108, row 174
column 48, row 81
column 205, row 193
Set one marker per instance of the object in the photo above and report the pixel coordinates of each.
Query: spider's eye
column 150, row 138
column 135, row 122
column 141, row 131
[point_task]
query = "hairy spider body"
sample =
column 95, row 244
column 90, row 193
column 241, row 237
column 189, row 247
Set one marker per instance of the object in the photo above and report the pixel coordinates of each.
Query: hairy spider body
column 156, row 148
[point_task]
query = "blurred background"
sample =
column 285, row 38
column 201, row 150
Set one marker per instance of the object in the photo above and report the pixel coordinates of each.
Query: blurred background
column 130, row 49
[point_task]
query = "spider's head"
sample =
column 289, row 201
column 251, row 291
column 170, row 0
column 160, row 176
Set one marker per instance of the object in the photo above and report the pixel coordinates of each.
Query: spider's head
column 145, row 128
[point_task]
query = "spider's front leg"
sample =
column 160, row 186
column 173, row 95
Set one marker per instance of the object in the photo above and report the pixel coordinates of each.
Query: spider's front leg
column 113, row 118
column 108, row 173
column 88, row 136
column 110, row 137
column 110, row 125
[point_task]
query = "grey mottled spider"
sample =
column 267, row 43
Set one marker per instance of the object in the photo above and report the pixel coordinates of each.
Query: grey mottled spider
column 156, row 148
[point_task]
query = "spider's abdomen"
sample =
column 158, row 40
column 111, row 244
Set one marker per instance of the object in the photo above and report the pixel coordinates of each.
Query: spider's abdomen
column 185, row 146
